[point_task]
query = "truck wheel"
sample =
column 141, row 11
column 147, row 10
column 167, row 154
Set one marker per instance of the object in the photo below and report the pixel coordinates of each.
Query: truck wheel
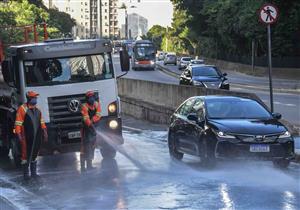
column 281, row 163
column 4, row 151
column 108, row 153
column 16, row 153
column 172, row 148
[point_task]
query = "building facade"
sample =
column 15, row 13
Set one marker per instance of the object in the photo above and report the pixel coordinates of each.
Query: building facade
column 94, row 18
column 137, row 26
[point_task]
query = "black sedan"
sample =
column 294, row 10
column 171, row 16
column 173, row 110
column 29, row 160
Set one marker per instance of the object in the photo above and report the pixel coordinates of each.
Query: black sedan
column 227, row 127
column 204, row 76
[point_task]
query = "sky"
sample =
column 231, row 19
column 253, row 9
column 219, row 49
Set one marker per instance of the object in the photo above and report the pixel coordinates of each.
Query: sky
column 156, row 11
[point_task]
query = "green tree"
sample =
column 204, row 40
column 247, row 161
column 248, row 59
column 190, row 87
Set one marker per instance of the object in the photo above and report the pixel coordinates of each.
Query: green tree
column 227, row 27
column 62, row 21
column 156, row 34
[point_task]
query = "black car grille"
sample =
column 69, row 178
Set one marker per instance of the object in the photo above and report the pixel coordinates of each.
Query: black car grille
column 257, row 138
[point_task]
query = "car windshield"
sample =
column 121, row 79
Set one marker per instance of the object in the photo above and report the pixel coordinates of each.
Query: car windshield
column 186, row 59
column 237, row 108
column 205, row 71
column 54, row 71
column 144, row 51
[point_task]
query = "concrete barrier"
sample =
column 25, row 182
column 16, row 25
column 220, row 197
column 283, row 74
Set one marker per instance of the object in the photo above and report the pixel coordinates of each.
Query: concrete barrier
column 155, row 102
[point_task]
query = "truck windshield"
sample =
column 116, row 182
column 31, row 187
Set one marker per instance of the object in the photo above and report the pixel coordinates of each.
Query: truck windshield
column 54, row 71
column 144, row 52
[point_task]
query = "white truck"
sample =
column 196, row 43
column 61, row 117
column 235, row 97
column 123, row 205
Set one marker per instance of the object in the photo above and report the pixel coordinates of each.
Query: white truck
column 61, row 71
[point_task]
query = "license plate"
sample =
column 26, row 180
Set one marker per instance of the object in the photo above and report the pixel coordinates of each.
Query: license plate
column 74, row 135
column 259, row 148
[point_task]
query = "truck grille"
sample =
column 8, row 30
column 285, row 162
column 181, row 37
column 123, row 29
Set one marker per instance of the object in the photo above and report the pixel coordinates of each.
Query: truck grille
column 62, row 118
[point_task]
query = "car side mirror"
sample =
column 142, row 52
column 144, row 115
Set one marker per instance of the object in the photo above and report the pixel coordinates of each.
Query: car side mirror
column 276, row 116
column 7, row 76
column 124, row 60
column 225, row 74
column 193, row 117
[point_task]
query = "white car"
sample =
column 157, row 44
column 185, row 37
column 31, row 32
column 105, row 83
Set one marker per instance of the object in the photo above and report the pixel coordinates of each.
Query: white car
column 196, row 62
column 184, row 62
column 161, row 56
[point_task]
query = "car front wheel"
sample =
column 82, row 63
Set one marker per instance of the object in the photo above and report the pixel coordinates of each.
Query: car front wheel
column 208, row 158
column 172, row 148
column 281, row 163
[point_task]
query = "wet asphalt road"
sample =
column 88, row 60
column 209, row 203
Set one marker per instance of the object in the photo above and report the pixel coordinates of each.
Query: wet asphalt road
column 154, row 181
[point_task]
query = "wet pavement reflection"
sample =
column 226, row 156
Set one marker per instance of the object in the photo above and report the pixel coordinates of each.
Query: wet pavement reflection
column 160, row 184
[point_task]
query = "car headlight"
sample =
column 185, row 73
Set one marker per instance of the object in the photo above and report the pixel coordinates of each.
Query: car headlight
column 224, row 135
column 113, row 124
column 285, row 135
column 152, row 62
column 198, row 83
column 136, row 62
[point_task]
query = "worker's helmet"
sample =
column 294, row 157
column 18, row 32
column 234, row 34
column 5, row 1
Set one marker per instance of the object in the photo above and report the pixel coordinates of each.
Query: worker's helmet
column 31, row 94
column 89, row 94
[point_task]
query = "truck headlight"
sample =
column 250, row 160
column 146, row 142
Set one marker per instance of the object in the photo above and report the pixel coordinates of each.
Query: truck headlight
column 285, row 135
column 113, row 124
column 112, row 108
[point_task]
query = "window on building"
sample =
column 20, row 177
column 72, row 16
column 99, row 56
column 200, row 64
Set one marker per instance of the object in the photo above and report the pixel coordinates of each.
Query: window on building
column 105, row 17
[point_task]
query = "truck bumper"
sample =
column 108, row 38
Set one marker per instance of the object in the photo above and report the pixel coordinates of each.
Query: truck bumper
column 61, row 141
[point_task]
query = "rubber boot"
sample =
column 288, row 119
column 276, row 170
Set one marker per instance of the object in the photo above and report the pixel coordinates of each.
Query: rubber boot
column 89, row 164
column 33, row 170
column 82, row 163
column 25, row 172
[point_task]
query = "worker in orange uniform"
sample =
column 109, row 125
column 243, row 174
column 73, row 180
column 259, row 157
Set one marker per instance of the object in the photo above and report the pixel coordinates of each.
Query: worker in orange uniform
column 30, row 129
column 91, row 115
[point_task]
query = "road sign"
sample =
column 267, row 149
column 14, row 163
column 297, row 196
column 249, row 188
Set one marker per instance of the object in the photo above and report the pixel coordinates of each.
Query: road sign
column 268, row 13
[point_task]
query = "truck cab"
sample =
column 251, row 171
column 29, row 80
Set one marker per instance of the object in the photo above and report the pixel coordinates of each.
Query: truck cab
column 62, row 71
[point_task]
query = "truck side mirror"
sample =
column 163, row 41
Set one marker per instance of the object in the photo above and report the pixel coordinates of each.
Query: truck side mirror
column 6, row 73
column 124, row 60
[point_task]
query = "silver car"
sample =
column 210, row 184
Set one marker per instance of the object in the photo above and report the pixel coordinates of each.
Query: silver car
column 184, row 62
column 170, row 59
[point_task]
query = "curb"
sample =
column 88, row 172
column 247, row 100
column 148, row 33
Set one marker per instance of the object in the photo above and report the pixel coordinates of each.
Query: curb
column 173, row 74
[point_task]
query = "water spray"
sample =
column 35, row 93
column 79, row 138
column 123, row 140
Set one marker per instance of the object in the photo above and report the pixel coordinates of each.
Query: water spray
column 113, row 140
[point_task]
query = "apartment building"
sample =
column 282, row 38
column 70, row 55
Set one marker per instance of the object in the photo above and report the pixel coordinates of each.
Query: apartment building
column 94, row 18
column 137, row 26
